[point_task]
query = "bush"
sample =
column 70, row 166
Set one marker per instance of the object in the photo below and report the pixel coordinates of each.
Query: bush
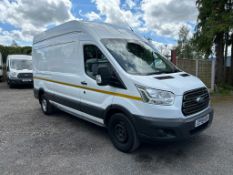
column 9, row 50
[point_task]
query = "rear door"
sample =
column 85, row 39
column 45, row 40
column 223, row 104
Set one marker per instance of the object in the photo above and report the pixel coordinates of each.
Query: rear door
column 94, row 98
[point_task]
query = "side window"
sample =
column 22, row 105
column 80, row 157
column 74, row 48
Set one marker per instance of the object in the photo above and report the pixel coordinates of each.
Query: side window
column 93, row 57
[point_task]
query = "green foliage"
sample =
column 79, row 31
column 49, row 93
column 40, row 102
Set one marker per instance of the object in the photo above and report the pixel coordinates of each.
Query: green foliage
column 224, row 90
column 9, row 50
column 214, row 28
column 215, row 17
column 185, row 47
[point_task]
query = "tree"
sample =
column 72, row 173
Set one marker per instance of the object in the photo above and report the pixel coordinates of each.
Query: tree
column 231, row 72
column 183, row 42
column 215, row 20
column 8, row 50
column 14, row 44
column 185, row 47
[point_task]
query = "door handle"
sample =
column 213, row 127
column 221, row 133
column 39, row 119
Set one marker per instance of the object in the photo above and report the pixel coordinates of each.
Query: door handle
column 83, row 83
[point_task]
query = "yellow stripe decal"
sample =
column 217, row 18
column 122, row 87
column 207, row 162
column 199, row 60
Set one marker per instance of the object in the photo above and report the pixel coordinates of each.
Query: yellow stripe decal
column 91, row 89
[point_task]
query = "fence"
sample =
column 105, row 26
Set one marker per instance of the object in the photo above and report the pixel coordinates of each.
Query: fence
column 204, row 69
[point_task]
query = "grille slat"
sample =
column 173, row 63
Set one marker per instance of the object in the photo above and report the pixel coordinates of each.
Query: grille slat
column 195, row 108
column 194, row 98
column 195, row 101
column 25, row 75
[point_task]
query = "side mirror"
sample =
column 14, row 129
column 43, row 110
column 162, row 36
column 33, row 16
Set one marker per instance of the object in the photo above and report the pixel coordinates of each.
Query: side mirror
column 103, row 76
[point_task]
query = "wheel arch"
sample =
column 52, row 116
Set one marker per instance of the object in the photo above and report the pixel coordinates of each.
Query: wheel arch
column 40, row 93
column 113, row 109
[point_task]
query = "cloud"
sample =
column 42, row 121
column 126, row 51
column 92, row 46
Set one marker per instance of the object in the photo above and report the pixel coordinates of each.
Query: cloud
column 6, row 37
column 92, row 16
column 113, row 13
column 159, row 18
column 31, row 17
column 165, row 49
column 130, row 3
column 166, row 17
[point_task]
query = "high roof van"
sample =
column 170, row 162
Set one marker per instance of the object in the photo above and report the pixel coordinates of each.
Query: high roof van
column 109, row 76
column 19, row 70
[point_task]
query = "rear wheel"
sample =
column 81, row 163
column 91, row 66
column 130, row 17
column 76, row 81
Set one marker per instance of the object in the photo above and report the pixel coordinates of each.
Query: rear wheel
column 122, row 133
column 46, row 106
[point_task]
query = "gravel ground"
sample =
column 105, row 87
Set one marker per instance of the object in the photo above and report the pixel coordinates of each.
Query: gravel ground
column 32, row 143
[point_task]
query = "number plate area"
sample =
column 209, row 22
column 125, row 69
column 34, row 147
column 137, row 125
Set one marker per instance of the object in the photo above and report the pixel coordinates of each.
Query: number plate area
column 202, row 120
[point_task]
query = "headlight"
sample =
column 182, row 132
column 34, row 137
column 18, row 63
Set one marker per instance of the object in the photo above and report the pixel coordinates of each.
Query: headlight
column 156, row 96
column 13, row 74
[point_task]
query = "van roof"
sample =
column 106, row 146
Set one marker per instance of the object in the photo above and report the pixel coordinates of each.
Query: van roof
column 25, row 57
column 96, row 30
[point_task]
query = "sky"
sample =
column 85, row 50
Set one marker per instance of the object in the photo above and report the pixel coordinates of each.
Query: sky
column 159, row 20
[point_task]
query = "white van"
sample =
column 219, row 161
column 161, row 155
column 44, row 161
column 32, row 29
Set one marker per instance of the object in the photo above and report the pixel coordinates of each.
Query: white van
column 109, row 76
column 19, row 70
column 1, row 67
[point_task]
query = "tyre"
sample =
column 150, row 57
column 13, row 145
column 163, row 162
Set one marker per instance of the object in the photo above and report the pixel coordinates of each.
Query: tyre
column 10, row 84
column 122, row 133
column 46, row 106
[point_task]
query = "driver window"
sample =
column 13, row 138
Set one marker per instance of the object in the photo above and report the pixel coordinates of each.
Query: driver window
column 93, row 57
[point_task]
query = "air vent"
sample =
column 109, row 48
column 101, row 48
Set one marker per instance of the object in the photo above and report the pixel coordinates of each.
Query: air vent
column 184, row 75
column 164, row 77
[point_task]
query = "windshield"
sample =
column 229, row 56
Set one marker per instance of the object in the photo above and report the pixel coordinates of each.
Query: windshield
column 21, row 64
column 136, row 57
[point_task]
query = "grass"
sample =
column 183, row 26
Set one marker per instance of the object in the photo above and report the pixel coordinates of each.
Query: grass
column 222, row 93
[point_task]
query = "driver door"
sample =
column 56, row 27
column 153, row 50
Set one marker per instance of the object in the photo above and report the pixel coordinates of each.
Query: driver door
column 94, row 98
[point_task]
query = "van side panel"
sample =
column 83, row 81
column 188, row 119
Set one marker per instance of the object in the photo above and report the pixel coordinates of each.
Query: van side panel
column 57, row 58
column 55, row 65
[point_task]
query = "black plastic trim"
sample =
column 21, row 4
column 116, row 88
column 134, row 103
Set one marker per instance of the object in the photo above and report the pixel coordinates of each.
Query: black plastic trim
column 164, row 77
column 149, row 128
column 20, row 82
column 184, row 75
column 36, row 93
column 118, row 108
column 80, row 106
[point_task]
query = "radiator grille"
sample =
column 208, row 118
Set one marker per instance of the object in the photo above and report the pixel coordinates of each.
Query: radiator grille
column 195, row 101
column 25, row 75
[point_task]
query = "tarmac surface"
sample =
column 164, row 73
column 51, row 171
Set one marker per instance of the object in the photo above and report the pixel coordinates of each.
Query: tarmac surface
column 32, row 143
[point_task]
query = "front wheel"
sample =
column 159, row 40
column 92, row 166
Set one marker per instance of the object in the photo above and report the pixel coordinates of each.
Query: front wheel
column 46, row 106
column 10, row 84
column 122, row 133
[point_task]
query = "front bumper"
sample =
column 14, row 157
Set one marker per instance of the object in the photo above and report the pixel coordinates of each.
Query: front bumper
column 170, row 129
column 21, row 81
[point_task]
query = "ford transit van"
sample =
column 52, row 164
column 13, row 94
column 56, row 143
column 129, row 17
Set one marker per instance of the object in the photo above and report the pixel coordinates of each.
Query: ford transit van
column 19, row 70
column 109, row 76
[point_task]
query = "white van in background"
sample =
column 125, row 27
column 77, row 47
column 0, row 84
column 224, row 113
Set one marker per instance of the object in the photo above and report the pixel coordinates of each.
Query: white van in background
column 1, row 67
column 109, row 76
column 19, row 70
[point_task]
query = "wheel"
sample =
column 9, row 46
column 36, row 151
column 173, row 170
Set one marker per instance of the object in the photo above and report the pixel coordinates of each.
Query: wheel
column 122, row 133
column 10, row 84
column 46, row 106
